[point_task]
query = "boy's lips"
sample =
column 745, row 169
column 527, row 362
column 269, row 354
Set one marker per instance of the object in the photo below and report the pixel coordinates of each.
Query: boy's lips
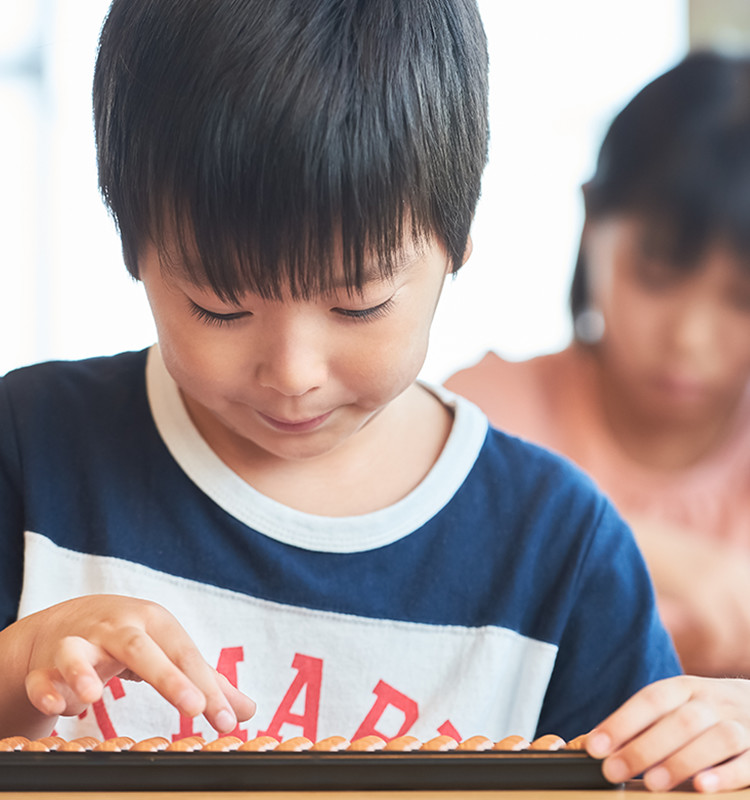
column 295, row 426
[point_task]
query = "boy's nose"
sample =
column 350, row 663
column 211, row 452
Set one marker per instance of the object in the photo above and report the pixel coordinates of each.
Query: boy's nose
column 292, row 364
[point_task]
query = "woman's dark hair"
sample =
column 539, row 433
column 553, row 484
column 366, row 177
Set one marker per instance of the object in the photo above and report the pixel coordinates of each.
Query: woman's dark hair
column 268, row 137
column 678, row 157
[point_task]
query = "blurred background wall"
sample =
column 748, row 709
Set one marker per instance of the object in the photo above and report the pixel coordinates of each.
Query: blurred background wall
column 559, row 71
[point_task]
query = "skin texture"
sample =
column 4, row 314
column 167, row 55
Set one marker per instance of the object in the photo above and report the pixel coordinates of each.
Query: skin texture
column 673, row 365
column 702, row 595
column 668, row 381
column 297, row 396
column 288, row 387
column 675, row 357
column 678, row 729
column 60, row 658
column 311, row 401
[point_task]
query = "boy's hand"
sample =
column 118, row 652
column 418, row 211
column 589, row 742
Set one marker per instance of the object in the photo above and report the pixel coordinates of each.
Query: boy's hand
column 677, row 729
column 80, row 644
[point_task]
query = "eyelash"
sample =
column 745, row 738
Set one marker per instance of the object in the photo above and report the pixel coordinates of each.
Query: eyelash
column 367, row 314
column 211, row 318
column 358, row 315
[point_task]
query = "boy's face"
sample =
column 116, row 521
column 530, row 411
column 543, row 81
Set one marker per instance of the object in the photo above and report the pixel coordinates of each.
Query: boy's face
column 295, row 378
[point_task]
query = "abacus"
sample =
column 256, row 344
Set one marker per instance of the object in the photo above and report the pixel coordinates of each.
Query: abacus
column 263, row 763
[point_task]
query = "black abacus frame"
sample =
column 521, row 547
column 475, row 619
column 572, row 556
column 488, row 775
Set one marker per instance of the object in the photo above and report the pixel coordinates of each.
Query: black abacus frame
column 233, row 771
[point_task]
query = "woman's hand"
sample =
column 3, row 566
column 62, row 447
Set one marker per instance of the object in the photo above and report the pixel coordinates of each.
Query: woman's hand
column 701, row 587
column 75, row 647
column 676, row 730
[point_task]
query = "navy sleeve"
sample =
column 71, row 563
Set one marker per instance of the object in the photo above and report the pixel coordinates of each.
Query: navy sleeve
column 11, row 512
column 613, row 643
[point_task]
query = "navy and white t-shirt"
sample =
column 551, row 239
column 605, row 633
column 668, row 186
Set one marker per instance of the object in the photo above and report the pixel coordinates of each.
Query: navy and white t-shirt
column 502, row 596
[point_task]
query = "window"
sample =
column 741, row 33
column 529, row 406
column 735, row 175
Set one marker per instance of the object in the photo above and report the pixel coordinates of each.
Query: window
column 559, row 71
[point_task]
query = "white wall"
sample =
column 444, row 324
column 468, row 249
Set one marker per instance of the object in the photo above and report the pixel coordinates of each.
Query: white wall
column 559, row 70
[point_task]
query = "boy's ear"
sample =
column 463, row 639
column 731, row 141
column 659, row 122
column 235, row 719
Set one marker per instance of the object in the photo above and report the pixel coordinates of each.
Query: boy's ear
column 468, row 250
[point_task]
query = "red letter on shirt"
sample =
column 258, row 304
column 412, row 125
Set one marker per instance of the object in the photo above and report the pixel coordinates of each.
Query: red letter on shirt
column 100, row 710
column 309, row 677
column 448, row 729
column 388, row 696
column 227, row 666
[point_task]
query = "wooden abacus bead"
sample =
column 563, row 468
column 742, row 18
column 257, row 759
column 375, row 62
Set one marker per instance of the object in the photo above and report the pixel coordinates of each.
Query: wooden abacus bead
column 549, row 741
column 295, row 745
column 475, row 743
column 404, row 743
column 514, row 742
column 441, row 744
column 189, row 744
column 80, row 745
column 579, row 743
column 152, row 745
column 332, row 744
column 260, row 744
column 12, row 743
column 224, row 744
column 44, row 745
column 35, row 746
column 116, row 744
column 368, row 744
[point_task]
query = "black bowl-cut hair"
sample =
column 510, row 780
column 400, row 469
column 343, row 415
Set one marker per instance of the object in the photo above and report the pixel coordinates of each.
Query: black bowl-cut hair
column 678, row 157
column 266, row 141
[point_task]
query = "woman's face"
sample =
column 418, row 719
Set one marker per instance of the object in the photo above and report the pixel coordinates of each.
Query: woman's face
column 676, row 343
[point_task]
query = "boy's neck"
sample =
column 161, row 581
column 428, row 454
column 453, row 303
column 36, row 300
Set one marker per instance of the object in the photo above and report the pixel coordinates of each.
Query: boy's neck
column 375, row 468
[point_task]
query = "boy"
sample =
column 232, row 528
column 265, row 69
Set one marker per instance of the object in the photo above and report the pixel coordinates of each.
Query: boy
column 293, row 180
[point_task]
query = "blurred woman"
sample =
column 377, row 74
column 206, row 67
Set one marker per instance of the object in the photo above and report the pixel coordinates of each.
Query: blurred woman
column 652, row 397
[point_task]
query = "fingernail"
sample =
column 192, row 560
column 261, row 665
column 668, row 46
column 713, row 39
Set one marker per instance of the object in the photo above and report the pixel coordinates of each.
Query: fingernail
column 615, row 770
column 48, row 704
column 707, row 782
column 225, row 720
column 657, row 779
column 598, row 744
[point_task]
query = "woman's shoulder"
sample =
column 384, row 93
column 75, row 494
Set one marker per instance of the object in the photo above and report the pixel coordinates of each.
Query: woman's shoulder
column 517, row 396
column 492, row 370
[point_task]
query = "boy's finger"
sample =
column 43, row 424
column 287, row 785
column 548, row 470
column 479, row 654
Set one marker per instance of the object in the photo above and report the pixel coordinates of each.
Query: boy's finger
column 244, row 707
column 663, row 744
column 47, row 692
column 76, row 659
column 178, row 672
column 218, row 710
column 135, row 649
column 637, row 714
column 732, row 775
column 722, row 741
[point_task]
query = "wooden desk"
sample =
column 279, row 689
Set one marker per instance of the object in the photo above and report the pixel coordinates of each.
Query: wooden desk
column 632, row 791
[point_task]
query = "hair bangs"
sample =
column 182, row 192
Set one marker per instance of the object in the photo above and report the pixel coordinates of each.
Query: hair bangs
column 290, row 146
column 301, row 229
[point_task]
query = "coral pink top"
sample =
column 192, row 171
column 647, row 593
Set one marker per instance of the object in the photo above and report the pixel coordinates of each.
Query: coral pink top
column 553, row 400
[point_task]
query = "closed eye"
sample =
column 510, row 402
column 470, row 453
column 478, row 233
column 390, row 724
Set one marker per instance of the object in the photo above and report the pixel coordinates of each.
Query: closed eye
column 366, row 314
column 214, row 318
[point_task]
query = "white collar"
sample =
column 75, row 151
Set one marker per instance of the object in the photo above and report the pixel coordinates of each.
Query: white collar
column 308, row 531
